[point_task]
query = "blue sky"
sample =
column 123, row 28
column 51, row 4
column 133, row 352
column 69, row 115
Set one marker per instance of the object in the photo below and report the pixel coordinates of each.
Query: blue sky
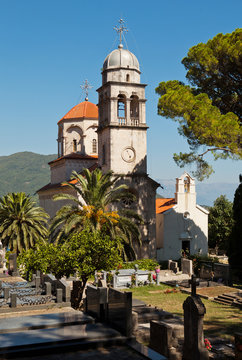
column 49, row 47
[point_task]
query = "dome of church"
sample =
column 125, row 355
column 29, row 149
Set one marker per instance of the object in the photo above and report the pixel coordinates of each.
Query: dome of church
column 121, row 58
column 85, row 109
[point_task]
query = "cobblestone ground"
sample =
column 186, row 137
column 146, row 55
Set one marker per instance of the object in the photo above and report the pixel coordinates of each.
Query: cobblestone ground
column 109, row 353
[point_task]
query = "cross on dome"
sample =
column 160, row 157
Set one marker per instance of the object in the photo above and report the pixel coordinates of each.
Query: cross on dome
column 85, row 87
column 120, row 30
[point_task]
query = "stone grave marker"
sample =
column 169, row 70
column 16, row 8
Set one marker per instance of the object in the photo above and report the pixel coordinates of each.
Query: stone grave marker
column 47, row 287
column 186, row 266
column 173, row 266
column 12, row 264
column 59, row 295
column 96, row 302
column 13, row 300
column 62, row 284
column 194, row 311
column 238, row 346
column 120, row 311
column 6, row 293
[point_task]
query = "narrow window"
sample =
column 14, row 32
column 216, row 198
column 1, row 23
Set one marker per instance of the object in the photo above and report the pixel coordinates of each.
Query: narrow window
column 186, row 185
column 127, row 78
column 94, row 146
column 121, row 109
column 134, row 110
column 74, row 145
column 104, row 155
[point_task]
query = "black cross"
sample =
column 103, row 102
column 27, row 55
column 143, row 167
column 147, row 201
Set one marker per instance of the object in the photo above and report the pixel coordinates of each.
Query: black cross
column 194, row 282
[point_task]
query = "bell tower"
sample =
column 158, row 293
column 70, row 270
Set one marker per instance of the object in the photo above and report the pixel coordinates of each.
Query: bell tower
column 122, row 133
column 122, row 124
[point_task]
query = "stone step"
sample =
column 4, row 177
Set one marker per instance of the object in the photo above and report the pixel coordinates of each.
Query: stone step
column 47, row 340
column 44, row 321
column 224, row 297
column 222, row 301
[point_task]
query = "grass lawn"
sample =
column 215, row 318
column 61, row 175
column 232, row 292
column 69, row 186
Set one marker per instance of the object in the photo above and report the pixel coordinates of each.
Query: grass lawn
column 220, row 320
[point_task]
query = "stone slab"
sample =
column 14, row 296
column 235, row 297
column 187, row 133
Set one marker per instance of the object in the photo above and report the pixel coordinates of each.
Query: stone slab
column 43, row 321
column 41, row 337
column 137, row 302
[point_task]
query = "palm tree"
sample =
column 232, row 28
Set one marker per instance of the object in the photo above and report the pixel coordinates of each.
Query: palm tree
column 96, row 193
column 21, row 221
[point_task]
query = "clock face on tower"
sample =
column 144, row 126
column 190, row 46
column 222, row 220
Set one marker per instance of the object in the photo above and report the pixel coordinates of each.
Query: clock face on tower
column 128, row 154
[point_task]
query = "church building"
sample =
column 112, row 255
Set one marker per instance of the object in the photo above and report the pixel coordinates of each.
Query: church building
column 112, row 136
column 181, row 224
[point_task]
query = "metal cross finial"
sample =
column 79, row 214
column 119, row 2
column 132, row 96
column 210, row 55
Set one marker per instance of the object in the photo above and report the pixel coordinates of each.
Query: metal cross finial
column 85, row 87
column 120, row 30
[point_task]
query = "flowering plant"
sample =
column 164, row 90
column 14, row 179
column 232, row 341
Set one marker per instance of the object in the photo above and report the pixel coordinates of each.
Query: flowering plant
column 208, row 345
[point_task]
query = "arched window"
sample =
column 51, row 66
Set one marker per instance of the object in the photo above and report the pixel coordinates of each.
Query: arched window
column 121, row 109
column 186, row 185
column 134, row 110
column 74, row 145
column 127, row 78
column 94, row 146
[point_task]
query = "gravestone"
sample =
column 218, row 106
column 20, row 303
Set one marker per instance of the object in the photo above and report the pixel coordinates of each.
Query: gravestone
column 12, row 265
column 206, row 271
column 238, row 346
column 124, row 277
column 120, row 311
column 37, row 282
column 173, row 266
column 186, row 266
column 96, row 302
column 166, row 338
column 221, row 271
column 76, row 293
column 13, row 300
column 51, row 279
column 62, row 284
column 6, row 293
column 194, row 311
column 47, row 287
column 59, row 295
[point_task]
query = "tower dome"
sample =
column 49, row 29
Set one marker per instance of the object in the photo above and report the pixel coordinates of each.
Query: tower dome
column 121, row 58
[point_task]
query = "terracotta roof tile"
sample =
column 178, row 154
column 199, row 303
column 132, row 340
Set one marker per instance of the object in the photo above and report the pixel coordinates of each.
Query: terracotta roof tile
column 75, row 156
column 85, row 109
column 163, row 205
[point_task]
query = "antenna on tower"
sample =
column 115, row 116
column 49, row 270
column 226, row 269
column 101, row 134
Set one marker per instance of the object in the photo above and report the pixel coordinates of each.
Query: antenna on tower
column 121, row 29
column 85, row 87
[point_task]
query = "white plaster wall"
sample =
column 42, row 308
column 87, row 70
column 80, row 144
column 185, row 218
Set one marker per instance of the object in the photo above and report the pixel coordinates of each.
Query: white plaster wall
column 51, row 206
column 117, row 139
column 62, row 170
column 82, row 130
column 175, row 225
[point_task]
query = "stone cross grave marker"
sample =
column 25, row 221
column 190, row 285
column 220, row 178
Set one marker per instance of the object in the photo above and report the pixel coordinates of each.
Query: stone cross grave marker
column 194, row 282
column 194, row 310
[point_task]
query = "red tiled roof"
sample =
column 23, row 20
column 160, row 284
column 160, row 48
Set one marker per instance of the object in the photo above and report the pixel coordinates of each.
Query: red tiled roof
column 85, row 109
column 164, row 204
column 75, row 156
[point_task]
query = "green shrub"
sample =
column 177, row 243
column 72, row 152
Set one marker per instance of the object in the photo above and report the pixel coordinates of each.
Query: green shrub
column 143, row 264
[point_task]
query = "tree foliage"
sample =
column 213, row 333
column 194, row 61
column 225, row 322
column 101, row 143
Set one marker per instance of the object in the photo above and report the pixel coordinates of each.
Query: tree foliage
column 84, row 253
column 220, row 222
column 22, row 223
column 235, row 245
column 209, row 112
column 96, row 193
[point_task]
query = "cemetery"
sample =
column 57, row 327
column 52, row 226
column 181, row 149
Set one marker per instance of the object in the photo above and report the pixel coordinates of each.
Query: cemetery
column 113, row 313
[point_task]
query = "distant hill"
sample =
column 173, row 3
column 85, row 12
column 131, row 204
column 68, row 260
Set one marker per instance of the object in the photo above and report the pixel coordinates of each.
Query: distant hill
column 28, row 172
column 206, row 193
column 24, row 171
